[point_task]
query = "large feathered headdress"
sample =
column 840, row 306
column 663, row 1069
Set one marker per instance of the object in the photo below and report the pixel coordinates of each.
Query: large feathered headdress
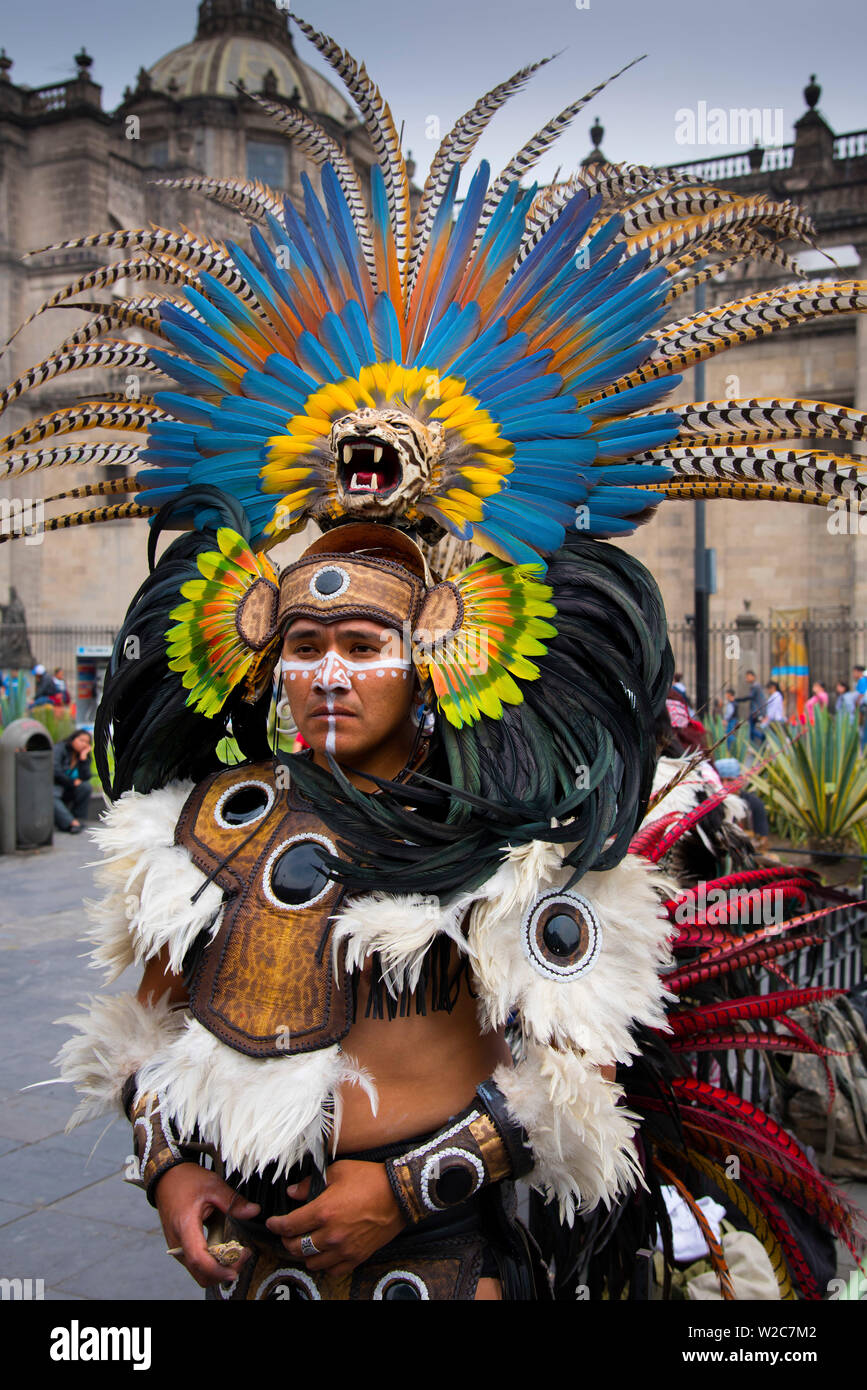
column 492, row 370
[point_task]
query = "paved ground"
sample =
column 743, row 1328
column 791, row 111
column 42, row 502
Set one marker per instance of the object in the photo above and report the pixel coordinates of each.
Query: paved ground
column 66, row 1217
column 65, row 1214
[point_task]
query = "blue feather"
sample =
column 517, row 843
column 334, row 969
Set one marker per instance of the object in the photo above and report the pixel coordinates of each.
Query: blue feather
column 276, row 275
column 337, row 340
column 357, row 328
column 625, row 474
column 499, row 539
column 220, row 440
column 329, row 247
column 532, row 368
column 185, row 408
column 346, row 233
column 634, row 444
column 636, row 398
column 280, row 367
column 216, row 296
column 257, row 281
column 304, row 248
column 187, row 374
column 485, row 343
column 263, row 387
column 578, row 449
column 462, row 329
column 386, row 330
column 251, row 412
column 525, row 393
column 314, row 359
column 528, row 525
column 504, row 355
column 461, row 240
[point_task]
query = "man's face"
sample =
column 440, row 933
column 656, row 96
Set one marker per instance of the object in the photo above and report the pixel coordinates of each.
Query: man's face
column 350, row 687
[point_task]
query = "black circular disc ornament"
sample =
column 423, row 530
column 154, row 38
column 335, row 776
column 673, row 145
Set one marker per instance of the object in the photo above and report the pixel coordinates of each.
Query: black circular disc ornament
column 401, row 1286
column 329, row 582
column 562, row 935
column 294, row 876
column 243, row 804
column 289, row 1285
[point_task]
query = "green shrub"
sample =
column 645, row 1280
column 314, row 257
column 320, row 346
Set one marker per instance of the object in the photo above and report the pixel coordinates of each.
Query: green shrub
column 816, row 787
column 14, row 705
column 58, row 723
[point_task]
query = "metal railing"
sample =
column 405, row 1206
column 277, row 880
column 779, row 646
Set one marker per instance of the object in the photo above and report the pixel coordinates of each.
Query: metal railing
column 851, row 145
column 832, row 646
column 22, row 645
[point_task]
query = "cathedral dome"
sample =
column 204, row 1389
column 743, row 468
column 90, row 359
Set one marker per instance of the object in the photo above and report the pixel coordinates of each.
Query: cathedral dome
column 241, row 41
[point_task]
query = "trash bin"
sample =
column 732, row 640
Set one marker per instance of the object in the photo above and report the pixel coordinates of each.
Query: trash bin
column 26, row 786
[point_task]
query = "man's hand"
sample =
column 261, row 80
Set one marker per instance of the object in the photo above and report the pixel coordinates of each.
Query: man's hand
column 186, row 1196
column 355, row 1215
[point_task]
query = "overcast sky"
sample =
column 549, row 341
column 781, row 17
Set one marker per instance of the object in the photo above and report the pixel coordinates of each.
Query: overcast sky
column 432, row 58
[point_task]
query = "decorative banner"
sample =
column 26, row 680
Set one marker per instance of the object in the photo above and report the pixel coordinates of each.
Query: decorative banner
column 789, row 659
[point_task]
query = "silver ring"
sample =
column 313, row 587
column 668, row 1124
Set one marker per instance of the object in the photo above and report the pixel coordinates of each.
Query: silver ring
column 308, row 1248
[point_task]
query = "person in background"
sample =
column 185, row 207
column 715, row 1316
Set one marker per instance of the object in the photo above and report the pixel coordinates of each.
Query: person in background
column 818, row 697
column 690, row 731
column 756, row 698
column 846, row 702
column 678, row 685
column 729, row 770
column 51, row 690
column 775, row 711
column 72, row 772
column 859, row 676
column 730, row 715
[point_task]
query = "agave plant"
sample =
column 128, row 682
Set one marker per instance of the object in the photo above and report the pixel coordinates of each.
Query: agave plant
column 14, row 704
column 736, row 745
column 815, row 788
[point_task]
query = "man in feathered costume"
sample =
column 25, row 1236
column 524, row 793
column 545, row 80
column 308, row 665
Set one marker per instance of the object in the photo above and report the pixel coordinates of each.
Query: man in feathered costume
column 389, row 975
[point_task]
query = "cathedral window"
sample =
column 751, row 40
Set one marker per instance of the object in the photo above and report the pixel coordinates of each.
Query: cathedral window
column 266, row 161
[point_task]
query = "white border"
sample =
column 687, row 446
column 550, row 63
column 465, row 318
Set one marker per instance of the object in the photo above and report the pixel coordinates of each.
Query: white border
column 275, row 854
column 395, row 1274
column 430, row 1171
column 230, row 791
column 329, row 598
column 299, row 1276
column 541, row 963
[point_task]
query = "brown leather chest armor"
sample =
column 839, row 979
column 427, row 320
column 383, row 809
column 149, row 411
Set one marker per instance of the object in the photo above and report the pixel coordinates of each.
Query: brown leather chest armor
column 266, row 985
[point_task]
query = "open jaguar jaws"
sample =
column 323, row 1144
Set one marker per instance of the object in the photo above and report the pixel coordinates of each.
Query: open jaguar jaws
column 384, row 459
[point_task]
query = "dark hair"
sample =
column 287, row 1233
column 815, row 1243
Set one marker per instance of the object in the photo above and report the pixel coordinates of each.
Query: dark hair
column 749, row 673
column 74, row 735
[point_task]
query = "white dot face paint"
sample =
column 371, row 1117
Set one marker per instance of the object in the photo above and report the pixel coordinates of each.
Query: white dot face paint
column 332, row 673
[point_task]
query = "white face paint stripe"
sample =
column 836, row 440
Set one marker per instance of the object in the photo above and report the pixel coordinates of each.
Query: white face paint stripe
column 332, row 673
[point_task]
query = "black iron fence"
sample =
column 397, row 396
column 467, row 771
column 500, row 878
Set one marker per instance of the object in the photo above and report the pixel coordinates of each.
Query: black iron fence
column 828, row 648
column 24, row 645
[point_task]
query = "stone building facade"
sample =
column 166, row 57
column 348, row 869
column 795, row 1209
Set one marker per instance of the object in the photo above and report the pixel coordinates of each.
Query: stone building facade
column 780, row 557
column 68, row 168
